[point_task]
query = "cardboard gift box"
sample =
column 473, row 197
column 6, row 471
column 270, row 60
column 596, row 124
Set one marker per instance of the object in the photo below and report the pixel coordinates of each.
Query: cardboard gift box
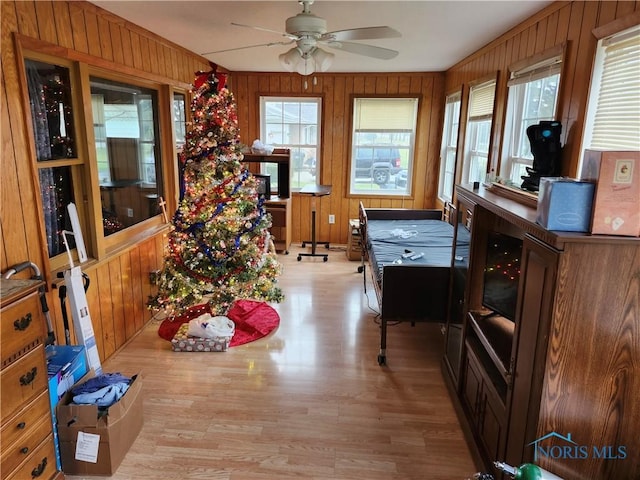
column 617, row 200
column 93, row 442
column 565, row 204
column 182, row 342
column 66, row 364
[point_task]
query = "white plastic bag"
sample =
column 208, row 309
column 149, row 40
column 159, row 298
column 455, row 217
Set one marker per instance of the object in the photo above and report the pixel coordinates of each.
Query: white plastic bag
column 206, row 326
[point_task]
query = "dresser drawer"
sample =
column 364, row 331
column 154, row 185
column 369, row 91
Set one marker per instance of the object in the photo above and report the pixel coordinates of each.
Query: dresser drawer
column 23, row 381
column 14, row 454
column 41, row 464
column 22, row 327
column 25, row 421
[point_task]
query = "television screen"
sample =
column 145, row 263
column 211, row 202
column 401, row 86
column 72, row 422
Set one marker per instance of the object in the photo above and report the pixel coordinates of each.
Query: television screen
column 263, row 185
column 501, row 274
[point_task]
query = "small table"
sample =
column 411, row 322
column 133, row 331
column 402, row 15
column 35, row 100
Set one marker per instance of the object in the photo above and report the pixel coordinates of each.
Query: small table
column 314, row 191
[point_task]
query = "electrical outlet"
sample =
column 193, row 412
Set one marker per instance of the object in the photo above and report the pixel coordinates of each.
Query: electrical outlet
column 332, row 219
column 129, row 212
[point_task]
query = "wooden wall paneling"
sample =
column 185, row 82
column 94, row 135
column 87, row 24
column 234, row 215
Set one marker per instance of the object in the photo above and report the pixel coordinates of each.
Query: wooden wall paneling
column 153, row 57
column 104, row 33
column 27, row 20
column 136, row 50
column 138, row 299
column 166, row 66
column 93, row 33
column 174, row 64
column 541, row 35
column 127, row 47
column 584, row 48
column 14, row 241
column 63, row 24
column 552, row 29
column 625, row 8
column 144, row 50
column 116, row 43
column 146, row 266
column 78, row 29
column 117, row 301
column 564, row 16
column 108, row 335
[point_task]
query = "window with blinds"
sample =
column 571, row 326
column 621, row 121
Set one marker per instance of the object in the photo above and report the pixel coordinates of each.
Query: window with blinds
column 478, row 134
column 449, row 146
column 613, row 115
column 532, row 97
column 382, row 145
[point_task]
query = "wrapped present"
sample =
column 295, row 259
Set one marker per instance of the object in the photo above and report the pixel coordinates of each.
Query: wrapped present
column 183, row 342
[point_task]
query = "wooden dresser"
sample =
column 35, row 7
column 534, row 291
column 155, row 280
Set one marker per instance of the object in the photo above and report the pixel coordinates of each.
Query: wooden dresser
column 26, row 432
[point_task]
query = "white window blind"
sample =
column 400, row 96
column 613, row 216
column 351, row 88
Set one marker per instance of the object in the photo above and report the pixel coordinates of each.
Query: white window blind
column 385, row 114
column 481, row 101
column 544, row 69
column 616, row 122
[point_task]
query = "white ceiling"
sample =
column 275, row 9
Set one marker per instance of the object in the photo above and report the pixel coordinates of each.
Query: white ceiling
column 435, row 34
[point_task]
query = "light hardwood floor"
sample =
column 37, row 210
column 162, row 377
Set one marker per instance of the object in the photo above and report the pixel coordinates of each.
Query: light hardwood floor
column 307, row 402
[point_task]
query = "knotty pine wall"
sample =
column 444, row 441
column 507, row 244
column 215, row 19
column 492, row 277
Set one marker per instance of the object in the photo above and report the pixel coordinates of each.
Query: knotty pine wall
column 120, row 283
column 562, row 23
column 337, row 91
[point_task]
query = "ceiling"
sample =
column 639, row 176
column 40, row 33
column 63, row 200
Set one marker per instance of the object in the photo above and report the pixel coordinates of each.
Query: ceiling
column 435, row 34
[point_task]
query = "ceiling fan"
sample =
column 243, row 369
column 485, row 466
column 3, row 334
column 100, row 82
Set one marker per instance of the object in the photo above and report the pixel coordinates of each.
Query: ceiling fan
column 308, row 31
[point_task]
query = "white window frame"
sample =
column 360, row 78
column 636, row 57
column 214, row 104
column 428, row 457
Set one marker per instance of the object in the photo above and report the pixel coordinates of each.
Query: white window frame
column 543, row 70
column 478, row 132
column 610, row 80
column 305, row 152
column 449, row 146
column 392, row 131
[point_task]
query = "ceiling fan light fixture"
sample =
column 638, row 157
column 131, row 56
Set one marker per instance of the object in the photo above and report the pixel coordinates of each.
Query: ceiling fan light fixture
column 323, row 59
column 289, row 60
column 306, row 65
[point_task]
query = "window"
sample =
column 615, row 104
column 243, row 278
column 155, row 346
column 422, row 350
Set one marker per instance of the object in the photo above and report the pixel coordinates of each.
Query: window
column 478, row 135
column 449, row 146
column 292, row 123
column 127, row 151
column 533, row 97
column 51, row 104
column 383, row 138
column 613, row 112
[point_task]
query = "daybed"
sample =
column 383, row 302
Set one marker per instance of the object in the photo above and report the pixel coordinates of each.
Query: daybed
column 407, row 290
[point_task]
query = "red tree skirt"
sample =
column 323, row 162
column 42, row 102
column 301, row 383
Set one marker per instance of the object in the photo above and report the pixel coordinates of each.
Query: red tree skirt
column 253, row 320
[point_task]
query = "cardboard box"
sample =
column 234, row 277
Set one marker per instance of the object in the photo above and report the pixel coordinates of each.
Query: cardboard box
column 96, row 445
column 617, row 200
column 565, row 204
column 181, row 342
column 66, row 364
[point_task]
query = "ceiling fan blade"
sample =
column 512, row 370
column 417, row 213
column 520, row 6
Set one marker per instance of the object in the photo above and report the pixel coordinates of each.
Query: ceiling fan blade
column 366, row 50
column 272, row 44
column 283, row 34
column 366, row 33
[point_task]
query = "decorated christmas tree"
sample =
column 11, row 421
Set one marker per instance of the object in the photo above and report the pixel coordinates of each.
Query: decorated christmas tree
column 219, row 247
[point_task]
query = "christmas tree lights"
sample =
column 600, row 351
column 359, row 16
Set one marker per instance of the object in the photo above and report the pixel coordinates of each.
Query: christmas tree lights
column 219, row 247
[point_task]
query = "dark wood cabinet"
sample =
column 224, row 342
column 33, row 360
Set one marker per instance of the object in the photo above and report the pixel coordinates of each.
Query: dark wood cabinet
column 557, row 384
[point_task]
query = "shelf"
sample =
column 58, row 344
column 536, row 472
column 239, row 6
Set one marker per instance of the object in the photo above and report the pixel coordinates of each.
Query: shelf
column 495, row 333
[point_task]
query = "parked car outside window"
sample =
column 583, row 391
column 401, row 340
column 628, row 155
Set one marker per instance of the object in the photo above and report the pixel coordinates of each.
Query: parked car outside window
column 377, row 163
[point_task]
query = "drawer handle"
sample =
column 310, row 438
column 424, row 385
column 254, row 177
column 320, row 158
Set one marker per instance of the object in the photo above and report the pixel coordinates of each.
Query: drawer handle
column 21, row 425
column 28, row 377
column 22, row 323
column 24, row 450
column 39, row 470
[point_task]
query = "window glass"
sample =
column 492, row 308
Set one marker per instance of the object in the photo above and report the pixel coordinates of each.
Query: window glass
column 51, row 105
column 382, row 146
column 478, row 135
column 449, row 146
column 127, row 148
column 532, row 98
column 292, row 123
column 613, row 113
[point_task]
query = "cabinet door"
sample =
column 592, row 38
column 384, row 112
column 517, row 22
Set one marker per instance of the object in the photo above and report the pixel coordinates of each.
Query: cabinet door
column 472, row 381
column 459, row 269
column 536, row 296
column 491, row 417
